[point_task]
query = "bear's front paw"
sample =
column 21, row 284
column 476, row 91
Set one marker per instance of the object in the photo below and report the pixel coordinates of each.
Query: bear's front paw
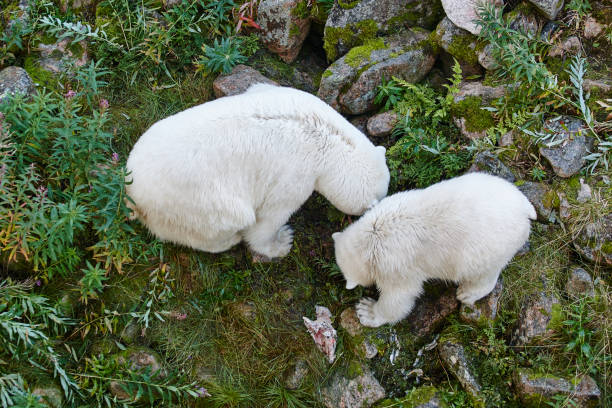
column 366, row 314
column 468, row 295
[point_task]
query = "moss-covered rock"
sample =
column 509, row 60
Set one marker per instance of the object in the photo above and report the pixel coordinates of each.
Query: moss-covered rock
column 460, row 44
column 422, row 397
column 351, row 82
column 353, row 23
column 539, row 390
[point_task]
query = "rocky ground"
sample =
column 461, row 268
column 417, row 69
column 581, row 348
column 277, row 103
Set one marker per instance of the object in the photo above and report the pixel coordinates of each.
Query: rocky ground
column 233, row 329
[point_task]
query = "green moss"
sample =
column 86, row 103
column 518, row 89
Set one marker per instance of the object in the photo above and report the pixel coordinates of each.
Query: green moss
column 415, row 398
column 352, row 35
column 327, row 73
column 476, row 119
column 354, row 369
column 358, row 55
column 551, row 200
column 347, row 5
column 606, row 248
column 294, row 30
column 301, row 10
column 557, row 317
column 464, row 48
column 39, row 75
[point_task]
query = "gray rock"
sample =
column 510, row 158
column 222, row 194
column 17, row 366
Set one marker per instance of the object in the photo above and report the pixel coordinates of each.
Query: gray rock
column 485, row 308
column 283, row 29
column 486, row 58
column 238, row 81
column 567, row 158
column 382, row 124
column 591, row 84
column 592, row 28
column 360, row 122
column 349, row 85
column 487, row 162
column 542, row 198
column 535, row 318
column 423, row 397
column 570, row 45
column 580, row 284
column 523, row 18
column 537, row 389
column 456, row 360
column 140, row 358
column 51, row 394
column 130, row 332
column 353, row 23
column 459, row 44
column 60, row 57
column 550, row 8
column 361, row 391
column 507, row 139
column 584, row 194
column 88, row 6
column 594, row 240
column 13, row 81
column 430, row 311
column 464, row 13
column 349, row 321
column 295, row 375
column 487, row 93
column 18, row 17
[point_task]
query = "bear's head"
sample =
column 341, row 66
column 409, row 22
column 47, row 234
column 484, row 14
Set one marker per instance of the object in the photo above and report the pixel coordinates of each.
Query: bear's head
column 357, row 181
column 350, row 260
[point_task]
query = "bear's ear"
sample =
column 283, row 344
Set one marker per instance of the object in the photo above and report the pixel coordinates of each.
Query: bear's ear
column 335, row 235
column 382, row 149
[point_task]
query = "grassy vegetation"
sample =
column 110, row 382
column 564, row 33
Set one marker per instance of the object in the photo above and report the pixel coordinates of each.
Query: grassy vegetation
column 80, row 283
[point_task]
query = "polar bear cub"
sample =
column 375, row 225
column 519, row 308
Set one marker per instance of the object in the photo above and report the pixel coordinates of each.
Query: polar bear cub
column 237, row 168
column 464, row 230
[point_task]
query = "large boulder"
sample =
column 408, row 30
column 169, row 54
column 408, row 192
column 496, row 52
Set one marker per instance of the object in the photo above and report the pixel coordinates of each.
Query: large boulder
column 567, row 157
column 460, row 45
column 238, row 81
column 14, row 81
column 464, row 13
column 349, row 85
column 353, row 23
column 284, row 26
column 538, row 390
column 382, row 124
column 550, row 8
column 355, row 390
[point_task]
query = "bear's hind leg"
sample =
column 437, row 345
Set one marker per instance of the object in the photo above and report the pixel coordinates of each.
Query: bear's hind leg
column 470, row 291
column 270, row 237
column 392, row 306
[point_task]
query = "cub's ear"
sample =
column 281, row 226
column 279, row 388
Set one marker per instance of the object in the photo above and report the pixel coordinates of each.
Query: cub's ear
column 335, row 235
column 382, row 149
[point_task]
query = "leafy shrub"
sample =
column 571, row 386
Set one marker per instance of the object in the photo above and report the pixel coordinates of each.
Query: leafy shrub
column 62, row 183
column 222, row 56
column 426, row 151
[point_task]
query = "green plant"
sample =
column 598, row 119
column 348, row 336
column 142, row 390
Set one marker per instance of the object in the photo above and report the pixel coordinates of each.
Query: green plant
column 424, row 152
column 390, row 92
column 222, row 56
column 579, row 334
column 538, row 173
column 581, row 7
column 92, row 282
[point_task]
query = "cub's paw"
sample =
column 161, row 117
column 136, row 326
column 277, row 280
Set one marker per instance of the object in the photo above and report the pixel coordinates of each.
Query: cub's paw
column 366, row 314
column 469, row 295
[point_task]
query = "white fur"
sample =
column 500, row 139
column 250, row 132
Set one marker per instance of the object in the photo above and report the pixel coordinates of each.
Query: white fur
column 464, row 230
column 239, row 166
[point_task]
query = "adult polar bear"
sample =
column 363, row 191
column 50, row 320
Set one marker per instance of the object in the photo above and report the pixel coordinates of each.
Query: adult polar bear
column 237, row 168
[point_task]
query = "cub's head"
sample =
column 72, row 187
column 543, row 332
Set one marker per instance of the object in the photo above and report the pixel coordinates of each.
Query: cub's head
column 360, row 179
column 351, row 260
